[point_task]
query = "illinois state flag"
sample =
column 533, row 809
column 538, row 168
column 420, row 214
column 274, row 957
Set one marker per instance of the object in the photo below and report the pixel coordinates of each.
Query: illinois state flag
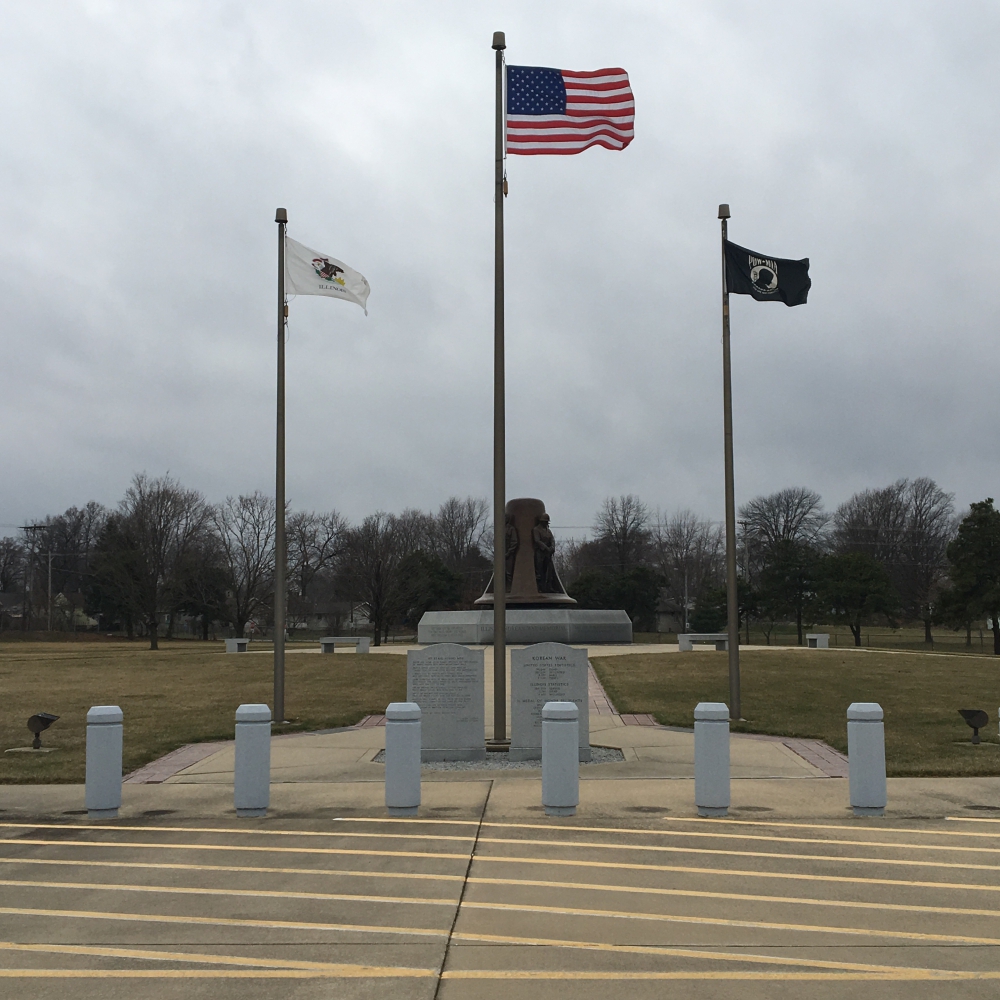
column 563, row 111
column 308, row 272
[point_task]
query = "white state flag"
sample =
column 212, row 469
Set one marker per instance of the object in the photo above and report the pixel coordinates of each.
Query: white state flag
column 310, row 273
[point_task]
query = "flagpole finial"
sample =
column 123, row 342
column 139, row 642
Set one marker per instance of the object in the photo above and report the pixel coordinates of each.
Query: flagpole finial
column 280, row 215
column 723, row 211
column 499, row 41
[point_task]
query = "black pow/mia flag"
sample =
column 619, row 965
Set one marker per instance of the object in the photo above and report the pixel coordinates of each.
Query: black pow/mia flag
column 767, row 279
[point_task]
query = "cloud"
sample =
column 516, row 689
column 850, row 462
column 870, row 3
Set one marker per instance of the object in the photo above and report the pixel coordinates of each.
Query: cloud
column 145, row 148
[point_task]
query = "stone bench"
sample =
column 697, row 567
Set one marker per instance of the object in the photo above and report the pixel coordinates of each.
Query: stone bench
column 236, row 645
column 685, row 641
column 818, row 640
column 328, row 644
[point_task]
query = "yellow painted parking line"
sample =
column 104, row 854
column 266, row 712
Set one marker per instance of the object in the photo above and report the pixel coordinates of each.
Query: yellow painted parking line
column 676, row 951
column 636, row 866
column 520, row 860
column 767, row 925
column 912, row 975
column 894, row 845
column 129, row 844
column 255, row 893
column 741, row 896
column 663, row 951
column 156, row 865
column 671, row 849
column 335, row 972
column 204, row 958
column 229, row 830
column 162, row 918
column 579, row 844
column 852, row 828
column 836, row 879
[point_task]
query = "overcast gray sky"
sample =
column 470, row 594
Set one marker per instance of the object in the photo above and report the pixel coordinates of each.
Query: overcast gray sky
column 145, row 146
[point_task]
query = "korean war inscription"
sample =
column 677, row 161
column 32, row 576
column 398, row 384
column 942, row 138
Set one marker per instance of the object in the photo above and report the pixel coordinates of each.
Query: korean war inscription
column 547, row 671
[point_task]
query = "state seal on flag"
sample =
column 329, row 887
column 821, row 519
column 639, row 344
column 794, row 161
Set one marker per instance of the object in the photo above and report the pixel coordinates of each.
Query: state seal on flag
column 327, row 270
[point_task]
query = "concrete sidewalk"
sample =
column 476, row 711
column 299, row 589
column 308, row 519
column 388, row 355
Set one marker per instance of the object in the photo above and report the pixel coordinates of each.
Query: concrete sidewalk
column 650, row 751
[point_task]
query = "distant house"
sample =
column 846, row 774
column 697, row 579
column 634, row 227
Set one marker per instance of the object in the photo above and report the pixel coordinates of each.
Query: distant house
column 11, row 609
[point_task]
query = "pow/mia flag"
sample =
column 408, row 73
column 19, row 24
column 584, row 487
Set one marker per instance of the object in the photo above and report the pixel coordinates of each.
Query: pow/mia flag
column 766, row 278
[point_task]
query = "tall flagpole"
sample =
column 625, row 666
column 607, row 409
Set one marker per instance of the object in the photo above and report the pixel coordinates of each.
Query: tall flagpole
column 281, row 217
column 499, row 432
column 732, row 594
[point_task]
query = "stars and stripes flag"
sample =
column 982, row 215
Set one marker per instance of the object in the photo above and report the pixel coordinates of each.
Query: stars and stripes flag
column 562, row 111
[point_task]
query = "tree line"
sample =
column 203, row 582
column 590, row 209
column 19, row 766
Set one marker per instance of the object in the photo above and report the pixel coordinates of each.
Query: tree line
column 164, row 554
column 888, row 555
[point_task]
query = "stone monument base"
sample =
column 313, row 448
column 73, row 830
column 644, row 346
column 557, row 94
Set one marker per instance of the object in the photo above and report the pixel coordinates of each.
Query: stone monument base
column 535, row 753
column 527, row 625
column 467, row 753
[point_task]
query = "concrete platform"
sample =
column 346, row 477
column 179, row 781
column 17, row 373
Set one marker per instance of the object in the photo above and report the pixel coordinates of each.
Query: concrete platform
column 527, row 625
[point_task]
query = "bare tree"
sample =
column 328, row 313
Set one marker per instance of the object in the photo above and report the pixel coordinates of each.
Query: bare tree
column 313, row 541
column 373, row 552
column 245, row 526
column 690, row 554
column 906, row 527
column 11, row 565
column 623, row 522
column 414, row 530
column 794, row 514
column 70, row 540
column 162, row 521
column 460, row 527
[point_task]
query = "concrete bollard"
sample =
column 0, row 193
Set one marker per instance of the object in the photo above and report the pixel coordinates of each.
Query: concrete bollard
column 866, row 758
column 560, row 758
column 711, row 758
column 402, row 758
column 103, row 796
column 252, row 777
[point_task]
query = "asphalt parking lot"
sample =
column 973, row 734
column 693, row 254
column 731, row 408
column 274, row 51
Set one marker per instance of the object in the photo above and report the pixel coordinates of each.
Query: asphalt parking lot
column 485, row 897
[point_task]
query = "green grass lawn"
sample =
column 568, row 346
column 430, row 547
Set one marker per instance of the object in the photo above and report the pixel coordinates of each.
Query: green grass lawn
column 186, row 692
column 801, row 692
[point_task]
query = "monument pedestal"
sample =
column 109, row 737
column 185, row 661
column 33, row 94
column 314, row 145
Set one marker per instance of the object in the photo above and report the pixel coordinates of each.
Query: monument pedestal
column 527, row 625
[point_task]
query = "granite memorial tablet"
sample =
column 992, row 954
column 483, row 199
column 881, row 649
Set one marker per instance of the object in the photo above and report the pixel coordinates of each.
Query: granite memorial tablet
column 446, row 681
column 547, row 671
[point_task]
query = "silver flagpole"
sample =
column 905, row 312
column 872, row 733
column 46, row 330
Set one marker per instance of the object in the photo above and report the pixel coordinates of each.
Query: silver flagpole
column 281, row 217
column 732, row 595
column 499, row 432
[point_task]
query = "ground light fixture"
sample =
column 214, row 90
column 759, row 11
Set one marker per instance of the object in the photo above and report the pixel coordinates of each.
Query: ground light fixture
column 976, row 718
column 38, row 724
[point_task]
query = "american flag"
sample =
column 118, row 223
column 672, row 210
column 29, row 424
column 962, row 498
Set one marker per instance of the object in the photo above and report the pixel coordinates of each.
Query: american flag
column 561, row 111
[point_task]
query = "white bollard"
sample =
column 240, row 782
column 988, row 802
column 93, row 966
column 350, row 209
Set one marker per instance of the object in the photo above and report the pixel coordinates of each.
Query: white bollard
column 252, row 777
column 402, row 758
column 711, row 758
column 103, row 796
column 866, row 758
column 560, row 758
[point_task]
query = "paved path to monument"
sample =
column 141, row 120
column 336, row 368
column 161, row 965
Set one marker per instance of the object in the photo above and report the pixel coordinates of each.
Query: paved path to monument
column 483, row 896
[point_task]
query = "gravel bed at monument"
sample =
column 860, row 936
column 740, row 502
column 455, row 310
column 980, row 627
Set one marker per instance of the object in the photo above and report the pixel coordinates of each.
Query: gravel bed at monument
column 499, row 761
